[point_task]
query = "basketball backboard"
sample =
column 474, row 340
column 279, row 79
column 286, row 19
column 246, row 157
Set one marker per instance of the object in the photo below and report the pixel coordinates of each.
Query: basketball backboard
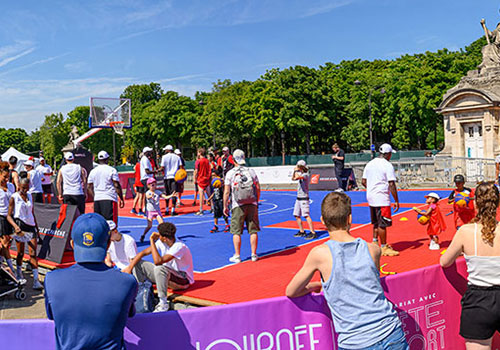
column 108, row 112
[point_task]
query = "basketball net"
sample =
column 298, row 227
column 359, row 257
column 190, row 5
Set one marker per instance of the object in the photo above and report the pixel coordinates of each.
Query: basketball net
column 117, row 127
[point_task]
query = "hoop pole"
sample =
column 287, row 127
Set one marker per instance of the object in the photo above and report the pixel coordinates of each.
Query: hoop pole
column 114, row 149
column 86, row 135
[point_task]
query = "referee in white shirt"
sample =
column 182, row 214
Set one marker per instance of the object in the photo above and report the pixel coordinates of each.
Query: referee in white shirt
column 170, row 163
column 104, row 186
column 72, row 183
column 379, row 180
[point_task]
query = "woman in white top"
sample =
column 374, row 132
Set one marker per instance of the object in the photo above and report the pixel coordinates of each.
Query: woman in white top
column 25, row 229
column 479, row 241
column 6, row 191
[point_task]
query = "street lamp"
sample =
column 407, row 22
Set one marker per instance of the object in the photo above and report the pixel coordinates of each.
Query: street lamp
column 282, row 147
column 371, row 90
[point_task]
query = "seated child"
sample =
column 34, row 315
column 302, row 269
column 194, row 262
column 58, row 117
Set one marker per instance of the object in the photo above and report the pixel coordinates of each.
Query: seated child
column 349, row 267
column 122, row 248
column 436, row 224
column 153, row 210
column 172, row 265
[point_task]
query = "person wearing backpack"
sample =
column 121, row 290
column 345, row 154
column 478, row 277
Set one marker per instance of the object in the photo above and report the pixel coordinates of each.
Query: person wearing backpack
column 243, row 185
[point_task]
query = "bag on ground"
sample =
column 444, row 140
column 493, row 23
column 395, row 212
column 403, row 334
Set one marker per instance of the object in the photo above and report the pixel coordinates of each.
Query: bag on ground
column 144, row 302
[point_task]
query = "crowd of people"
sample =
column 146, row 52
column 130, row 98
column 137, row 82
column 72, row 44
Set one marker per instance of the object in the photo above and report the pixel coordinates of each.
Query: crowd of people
column 109, row 266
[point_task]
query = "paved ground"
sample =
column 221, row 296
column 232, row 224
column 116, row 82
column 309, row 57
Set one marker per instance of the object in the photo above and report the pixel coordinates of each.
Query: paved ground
column 32, row 307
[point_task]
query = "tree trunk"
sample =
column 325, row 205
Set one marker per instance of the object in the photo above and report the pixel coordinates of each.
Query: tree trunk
column 249, row 146
column 273, row 145
column 308, row 143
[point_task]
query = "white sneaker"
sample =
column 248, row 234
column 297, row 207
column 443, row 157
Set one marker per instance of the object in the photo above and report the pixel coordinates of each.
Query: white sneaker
column 37, row 285
column 255, row 257
column 19, row 275
column 434, row 246
column 161, row 307
column 235, row 259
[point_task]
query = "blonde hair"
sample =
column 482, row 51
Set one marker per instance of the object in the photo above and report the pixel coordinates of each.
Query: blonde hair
column 487, row 200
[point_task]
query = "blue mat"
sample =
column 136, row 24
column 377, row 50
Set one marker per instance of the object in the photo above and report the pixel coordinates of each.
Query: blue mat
column 212, row 250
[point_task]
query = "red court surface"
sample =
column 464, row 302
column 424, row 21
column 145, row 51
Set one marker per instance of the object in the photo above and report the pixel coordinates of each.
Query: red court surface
column 269, row 276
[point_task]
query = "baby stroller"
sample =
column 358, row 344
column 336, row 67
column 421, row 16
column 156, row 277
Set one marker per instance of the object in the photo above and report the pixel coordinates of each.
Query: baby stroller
column 10, row 285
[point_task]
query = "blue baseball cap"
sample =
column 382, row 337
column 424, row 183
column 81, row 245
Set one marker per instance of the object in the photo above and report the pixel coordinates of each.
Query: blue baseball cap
column 90, row 236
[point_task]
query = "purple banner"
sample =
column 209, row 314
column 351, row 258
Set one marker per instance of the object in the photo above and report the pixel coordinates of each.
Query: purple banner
column 427, row 300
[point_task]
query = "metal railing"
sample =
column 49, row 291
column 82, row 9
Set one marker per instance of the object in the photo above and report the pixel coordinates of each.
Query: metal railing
column 437, row 170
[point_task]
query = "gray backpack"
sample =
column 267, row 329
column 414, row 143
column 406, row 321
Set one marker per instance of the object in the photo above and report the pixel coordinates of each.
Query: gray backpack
column 243, row 187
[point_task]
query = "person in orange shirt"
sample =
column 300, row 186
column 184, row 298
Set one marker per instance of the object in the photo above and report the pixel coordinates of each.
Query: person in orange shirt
column 436, row 223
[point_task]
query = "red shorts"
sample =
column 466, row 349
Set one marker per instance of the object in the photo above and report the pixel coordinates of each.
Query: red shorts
column 381, row 216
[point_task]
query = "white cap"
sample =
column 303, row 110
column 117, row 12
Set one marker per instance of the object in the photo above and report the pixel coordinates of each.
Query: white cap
column 177, row 151
column 301, row 162
column 41, row 158
column 168, row 148
column 147, row 149
column 102, row 155
column 433, row 195
column 69, row 156
column 111, row 225
column 386, row 148
column 225, row 149
column 28, row 163
column 239, row 156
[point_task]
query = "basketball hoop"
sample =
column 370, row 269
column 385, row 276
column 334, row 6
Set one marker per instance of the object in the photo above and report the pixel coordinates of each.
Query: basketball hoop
column 117, row 126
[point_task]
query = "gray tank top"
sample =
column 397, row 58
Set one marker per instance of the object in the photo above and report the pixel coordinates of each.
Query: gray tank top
column 361, row 314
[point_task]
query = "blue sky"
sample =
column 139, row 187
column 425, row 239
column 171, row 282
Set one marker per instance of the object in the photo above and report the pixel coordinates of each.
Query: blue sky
column 55, row 54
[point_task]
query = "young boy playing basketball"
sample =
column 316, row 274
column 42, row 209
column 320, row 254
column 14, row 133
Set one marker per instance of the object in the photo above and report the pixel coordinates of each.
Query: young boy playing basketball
column 350, row 278
column 301, row 208
column 217, row 199
column 462, row 215
column 153, row 210
column 436, row 223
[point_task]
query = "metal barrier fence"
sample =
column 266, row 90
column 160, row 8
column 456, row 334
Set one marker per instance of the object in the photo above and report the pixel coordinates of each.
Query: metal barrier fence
column 437, row 170
column 318, row 159
column 441, row 170
column 424, row 171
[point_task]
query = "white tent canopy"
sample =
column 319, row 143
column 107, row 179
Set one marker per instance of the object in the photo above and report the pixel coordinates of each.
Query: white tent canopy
column 21, row 158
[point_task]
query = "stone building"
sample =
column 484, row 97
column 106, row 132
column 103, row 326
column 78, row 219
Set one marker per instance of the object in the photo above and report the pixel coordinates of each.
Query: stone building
column 471, row 110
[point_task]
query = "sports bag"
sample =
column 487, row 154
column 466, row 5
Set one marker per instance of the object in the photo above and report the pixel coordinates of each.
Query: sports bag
column 144, row 301
column 243, row 187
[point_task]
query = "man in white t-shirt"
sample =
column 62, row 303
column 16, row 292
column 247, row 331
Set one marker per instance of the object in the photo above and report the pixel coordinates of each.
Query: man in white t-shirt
column 379, row 180
column 47, row 172
column 122, row 248
column 104, row 186
column 146, row 166
column 170, row 163
column 242, row 184
column 72, row 183
column 173, row 263
column 35, row 178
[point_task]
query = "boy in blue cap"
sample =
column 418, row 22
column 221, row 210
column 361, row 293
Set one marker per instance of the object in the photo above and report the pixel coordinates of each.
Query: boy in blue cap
column 89, row 302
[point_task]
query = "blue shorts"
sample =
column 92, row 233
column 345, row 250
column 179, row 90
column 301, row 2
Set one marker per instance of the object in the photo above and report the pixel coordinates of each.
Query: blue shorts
column 394, row 341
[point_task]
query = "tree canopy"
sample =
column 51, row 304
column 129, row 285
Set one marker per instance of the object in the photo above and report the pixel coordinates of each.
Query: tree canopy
column 305, row 109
